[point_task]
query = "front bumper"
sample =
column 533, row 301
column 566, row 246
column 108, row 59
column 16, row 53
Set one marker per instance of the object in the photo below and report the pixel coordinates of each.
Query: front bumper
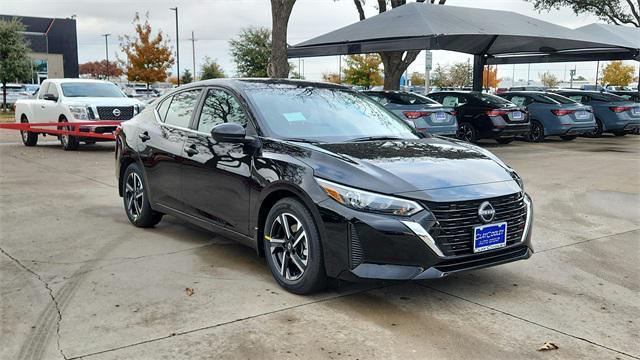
column 369, row 246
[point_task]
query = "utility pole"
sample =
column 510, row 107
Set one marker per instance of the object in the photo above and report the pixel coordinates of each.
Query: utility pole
column 597, row 74
column 193, row 48
column 303, row 69
column 106, row 46
column 339, row 69
column 428, row 65
column 528, row 73
column 513, row 74
column 177, row 46
column 572, row 73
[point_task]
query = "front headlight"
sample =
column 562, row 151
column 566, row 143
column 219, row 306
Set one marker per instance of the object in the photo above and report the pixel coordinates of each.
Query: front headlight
column 517, row 179
column 367, row 201
column 137, row 109
column 79, row 112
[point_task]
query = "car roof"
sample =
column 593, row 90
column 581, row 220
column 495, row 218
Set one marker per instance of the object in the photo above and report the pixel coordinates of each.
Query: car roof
column 526, row 92
column 70, row 80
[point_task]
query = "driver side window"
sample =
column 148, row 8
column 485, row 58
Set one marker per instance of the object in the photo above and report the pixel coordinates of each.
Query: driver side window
column 220, row 107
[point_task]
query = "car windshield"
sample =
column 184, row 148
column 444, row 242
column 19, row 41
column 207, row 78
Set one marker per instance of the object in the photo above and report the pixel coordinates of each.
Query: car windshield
column 492, row 99
column 558, row 98
column 324, row 114
column 79, row 89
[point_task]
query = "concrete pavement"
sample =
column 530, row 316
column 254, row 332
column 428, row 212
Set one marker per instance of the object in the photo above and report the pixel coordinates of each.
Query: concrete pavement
column 78, row 281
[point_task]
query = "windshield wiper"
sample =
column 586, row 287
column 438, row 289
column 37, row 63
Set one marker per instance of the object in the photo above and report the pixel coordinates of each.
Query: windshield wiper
column 302, row 140
column 374, row 138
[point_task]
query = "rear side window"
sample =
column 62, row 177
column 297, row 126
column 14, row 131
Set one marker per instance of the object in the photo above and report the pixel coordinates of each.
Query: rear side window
column 181, row 108
column 519, row 100
column 220, row 107
column 162, row 109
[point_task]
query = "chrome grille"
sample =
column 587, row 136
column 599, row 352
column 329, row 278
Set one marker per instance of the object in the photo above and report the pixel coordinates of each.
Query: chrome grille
column 454, row 229
column 106, row 112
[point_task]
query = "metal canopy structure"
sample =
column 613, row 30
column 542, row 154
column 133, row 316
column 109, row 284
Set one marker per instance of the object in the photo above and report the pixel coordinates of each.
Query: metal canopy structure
column 492, row 36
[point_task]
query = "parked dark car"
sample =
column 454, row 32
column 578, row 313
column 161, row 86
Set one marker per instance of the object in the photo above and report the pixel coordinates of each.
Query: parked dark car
column 613, row 113
column 322, row 181
column 553, row 114
column 485, row 116
column 424, row 114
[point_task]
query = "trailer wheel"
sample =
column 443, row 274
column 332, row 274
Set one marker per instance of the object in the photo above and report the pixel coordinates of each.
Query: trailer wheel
column 28, row 138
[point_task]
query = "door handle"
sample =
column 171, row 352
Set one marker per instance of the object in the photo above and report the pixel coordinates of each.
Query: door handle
column 144, row 136
column 191, row 151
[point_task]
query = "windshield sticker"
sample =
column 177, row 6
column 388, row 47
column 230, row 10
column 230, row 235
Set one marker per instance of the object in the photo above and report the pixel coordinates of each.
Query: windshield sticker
column 293, row 117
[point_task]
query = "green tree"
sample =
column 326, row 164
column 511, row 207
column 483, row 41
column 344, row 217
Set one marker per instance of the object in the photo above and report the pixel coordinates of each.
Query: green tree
column 148, row 56
column 417, row 79
column 461, row 74
column 440, row 77
column 210, row 69
column 618, row 74
column 251, row 51
column 186, row 77
column 613, row 11
column 363, row 70
column 14, row 55
column 549, row 80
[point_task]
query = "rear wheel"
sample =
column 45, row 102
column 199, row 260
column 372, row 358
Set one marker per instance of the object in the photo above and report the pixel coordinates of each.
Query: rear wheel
column 293, row 248
column 467, row 132
column 136, row 201
column 597, row 132
column 536, row 133
column 567, row 137
column 504, row 141
column 28, row 138
column 69, row 143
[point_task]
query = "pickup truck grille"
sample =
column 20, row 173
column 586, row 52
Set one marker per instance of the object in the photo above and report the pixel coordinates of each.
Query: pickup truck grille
column 454, row 230
column 107, row 112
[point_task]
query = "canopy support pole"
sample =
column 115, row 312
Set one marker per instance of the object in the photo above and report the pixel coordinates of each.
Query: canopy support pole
column 479, row 61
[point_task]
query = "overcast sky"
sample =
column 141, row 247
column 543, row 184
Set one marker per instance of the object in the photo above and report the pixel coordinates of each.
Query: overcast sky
column 214, row 22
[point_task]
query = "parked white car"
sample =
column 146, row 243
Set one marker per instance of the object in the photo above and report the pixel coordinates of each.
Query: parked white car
column 76, row 100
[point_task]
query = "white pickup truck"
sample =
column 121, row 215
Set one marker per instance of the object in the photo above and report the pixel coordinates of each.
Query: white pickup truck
column 75, row 100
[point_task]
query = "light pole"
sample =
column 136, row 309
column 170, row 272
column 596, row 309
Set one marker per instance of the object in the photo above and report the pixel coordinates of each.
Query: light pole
column 177, row 46
column 106, row 48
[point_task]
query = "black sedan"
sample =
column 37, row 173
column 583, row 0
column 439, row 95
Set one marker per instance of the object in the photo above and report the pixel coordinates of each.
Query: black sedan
column 322, row 181
column 485, row 116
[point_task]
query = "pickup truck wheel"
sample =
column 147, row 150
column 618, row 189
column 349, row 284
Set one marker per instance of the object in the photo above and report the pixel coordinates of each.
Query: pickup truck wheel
column 69, row 143
column 28, row 138
column 136, row 201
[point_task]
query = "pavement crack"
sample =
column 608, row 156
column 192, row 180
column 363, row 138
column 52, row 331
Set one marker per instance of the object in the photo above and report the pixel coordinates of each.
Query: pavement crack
column 586, row 240
column 530, row 321
column 53, row 298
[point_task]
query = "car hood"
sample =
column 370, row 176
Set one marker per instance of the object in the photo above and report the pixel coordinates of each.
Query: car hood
column 407, row 166
column 101, row 101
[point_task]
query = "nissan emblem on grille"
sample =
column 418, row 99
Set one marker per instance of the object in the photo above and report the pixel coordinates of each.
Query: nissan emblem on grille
column 486, row 212
column 116, row 112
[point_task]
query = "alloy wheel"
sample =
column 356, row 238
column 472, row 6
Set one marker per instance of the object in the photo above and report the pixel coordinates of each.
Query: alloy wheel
column 289, row 246
column 134, row 195
column 465, row 132
column 536, row 133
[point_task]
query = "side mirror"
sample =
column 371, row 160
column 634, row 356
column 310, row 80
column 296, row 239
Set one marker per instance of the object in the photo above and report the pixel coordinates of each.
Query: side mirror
column 50, row 97
column 229, row 132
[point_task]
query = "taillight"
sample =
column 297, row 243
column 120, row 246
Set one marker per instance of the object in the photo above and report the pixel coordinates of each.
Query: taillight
column 619, row 109
column 415, row 114
column 562, row 112
column 496, row 112
column 453, row 113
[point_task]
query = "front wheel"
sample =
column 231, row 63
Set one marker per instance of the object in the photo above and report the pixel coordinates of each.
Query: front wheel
column 293, row 248
column 536, row 133
column 467, row 132
column 28, row 138
column 69, row 143
column 136, row 201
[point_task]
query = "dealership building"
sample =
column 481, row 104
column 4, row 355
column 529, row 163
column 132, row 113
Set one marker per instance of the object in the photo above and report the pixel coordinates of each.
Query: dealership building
column 54, row 46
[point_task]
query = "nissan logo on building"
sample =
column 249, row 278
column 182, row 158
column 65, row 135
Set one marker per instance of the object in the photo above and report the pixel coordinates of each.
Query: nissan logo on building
column 116, row 112
column 486, row 212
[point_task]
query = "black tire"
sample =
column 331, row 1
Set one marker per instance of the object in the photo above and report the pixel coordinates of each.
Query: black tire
column 294, row 270
column 135, row 199
column 69, row 143
column 504, row 141
column 597, row 132
column 28, row 138
column 467, row 132
column 619, row 133
column 568, row 137
column 536, row 133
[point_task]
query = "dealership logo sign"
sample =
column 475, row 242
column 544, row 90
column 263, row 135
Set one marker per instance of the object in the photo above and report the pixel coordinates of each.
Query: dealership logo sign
column 116, row 112
column 486, row 212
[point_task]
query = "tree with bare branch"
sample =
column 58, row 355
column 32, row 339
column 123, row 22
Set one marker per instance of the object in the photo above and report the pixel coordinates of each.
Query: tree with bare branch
column 618, row 12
